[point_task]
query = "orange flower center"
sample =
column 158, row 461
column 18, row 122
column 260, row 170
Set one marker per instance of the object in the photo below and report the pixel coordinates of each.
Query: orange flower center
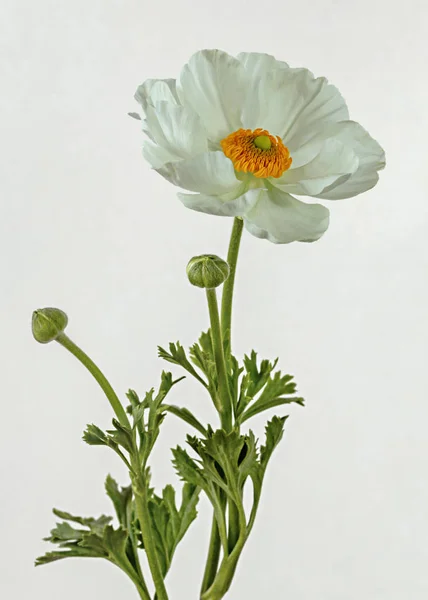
column 257, row 152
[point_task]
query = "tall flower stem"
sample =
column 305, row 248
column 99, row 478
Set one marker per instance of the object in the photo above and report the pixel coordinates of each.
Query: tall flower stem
column 98, row 376
column 217, row 340
column 226, row 329
column 226, row 325
column 227, row 297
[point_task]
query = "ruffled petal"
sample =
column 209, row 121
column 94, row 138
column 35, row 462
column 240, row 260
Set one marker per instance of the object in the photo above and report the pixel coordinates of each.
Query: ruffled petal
column 281, row 219
column 176, row 128
column 210, row 173
column 156, row 155
column 332, row 160
column 257, row 63
column 371, row 160
column 218, row 205
column 156, row 90
column 284, row 101
column 212, row 84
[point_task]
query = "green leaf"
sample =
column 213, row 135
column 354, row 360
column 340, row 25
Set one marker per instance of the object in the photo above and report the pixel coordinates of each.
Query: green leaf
column 274, row 431
column 95, row 525
column 115, row 541
column 177, row 356
column 133, row 398
column 121, row 498
column 202, row 355
column 77, row 552
column 121, row 435
column 257, row 408
column 94, row 436
column 277, row 391
column 187, row 468
column 185, row 415
column 98, row 539
column 171, row 523
column 258, row 377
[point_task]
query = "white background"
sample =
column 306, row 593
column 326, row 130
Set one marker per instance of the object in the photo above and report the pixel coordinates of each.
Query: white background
column 87, row 226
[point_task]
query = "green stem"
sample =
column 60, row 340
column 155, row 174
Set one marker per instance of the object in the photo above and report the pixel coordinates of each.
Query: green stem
column 233, row 525
column 227, row 297
column 227, row 569
column 98, row 375
column 134, row 545
column 226, row 329
column 212, row 558
column 226, row 324
column 143, row 515
column 223, row 384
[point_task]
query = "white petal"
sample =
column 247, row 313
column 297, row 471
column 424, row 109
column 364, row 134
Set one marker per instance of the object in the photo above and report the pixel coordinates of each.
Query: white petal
column 333, row 160
column 256, row 63
column 156, row 155
column 280, row 218
column 156, row 90
column 177, row 129
column 212, row 84
column 210, row 173
column 371, row 160
column 283, row 101
column 216, row 205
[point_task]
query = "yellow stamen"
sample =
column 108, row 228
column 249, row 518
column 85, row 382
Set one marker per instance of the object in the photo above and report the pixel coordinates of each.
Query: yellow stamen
column 257, row 152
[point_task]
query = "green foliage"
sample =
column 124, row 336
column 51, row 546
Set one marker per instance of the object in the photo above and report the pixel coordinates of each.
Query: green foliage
column 224, row 463
column 261, row 390
column 177, row 356
column 94, row 538
column 253, row 387
column 121, row 498
column 202, row 355
column 274, row 431
column 170, row 523
column 185, row 415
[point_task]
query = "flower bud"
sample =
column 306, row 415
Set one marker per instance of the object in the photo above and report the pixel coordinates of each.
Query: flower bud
column 207, row 271
column 48, row 324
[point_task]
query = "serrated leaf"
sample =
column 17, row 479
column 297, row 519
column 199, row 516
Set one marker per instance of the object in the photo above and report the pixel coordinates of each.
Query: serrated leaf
column 96, row 525
column 170, row 523
column 257, row 408
column 273, row 434
column 133, row 398
column 177, row 355
column 185, row 415
column 94, row 436
column 121, row 435
column 121, row 498
column 277, row 391
column 115, row 541
column 186, row 467
column 258, row 376
column 76, row 552
column 94, row 543
column 202, row 355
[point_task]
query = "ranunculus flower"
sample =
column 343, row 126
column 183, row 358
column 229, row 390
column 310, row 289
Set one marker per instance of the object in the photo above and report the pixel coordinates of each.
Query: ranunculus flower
column 248, row 134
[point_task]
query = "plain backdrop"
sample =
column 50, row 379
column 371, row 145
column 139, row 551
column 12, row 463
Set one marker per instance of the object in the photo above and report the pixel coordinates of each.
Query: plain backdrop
column 87, row 226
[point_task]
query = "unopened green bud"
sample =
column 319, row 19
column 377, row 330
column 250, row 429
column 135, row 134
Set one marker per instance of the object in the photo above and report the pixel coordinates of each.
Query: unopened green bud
column 207, row 271
column 48, row 324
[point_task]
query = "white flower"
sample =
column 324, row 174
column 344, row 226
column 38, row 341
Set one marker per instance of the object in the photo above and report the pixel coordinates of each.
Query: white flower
column 247, row 134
